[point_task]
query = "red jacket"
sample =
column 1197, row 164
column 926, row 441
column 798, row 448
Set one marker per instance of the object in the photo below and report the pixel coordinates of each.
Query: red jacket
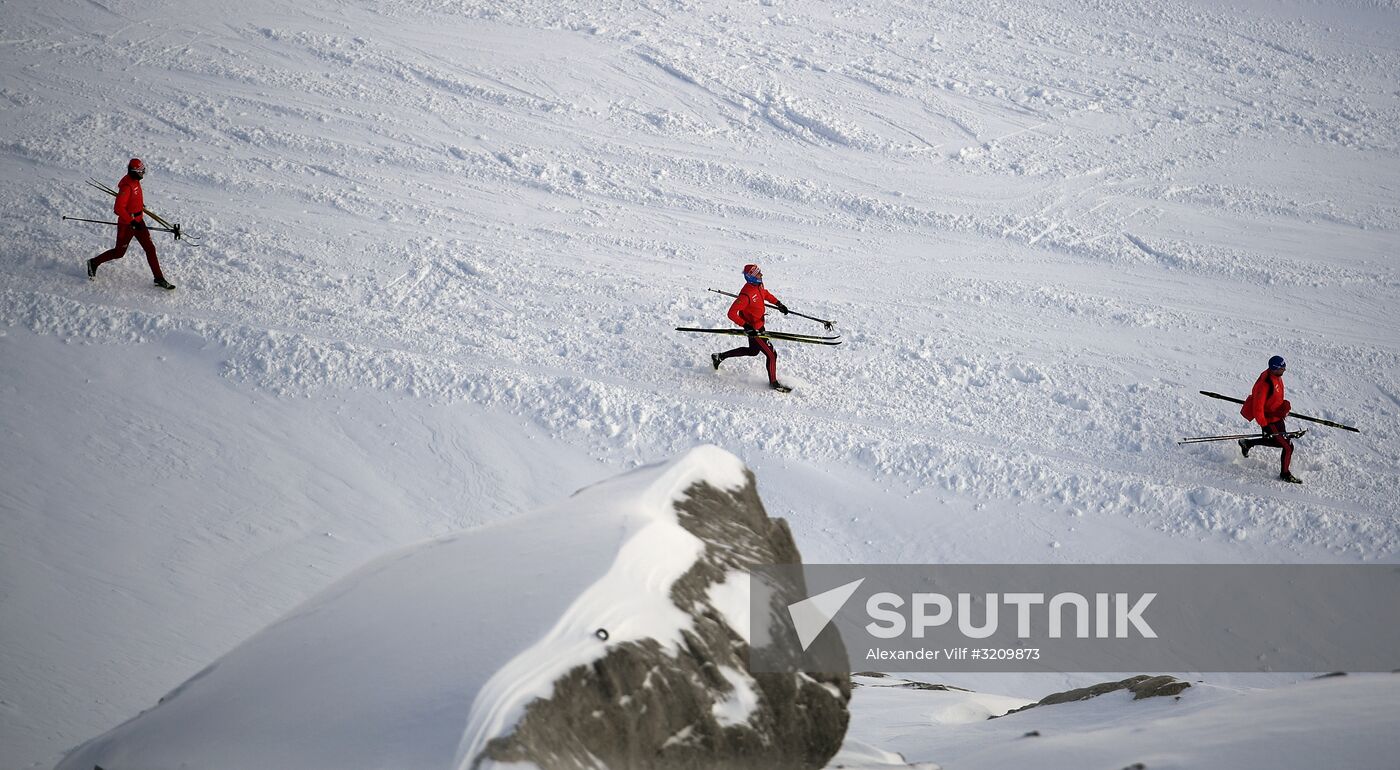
column 1266, row 403
column 749, row 307
column 129, row 203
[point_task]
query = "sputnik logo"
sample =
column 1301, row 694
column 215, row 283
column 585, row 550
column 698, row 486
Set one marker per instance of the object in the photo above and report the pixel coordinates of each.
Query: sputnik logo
column 812, row 614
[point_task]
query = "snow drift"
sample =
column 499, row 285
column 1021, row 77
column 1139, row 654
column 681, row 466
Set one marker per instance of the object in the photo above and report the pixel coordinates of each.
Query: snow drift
column 609, row 628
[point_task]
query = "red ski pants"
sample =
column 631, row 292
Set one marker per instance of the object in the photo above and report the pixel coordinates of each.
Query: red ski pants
column 757, row 345
column 125, row 232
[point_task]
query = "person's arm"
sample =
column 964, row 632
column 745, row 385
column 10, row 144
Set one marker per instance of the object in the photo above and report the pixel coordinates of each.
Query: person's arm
column 1256, row 399
column 124, row 205
column 123, row 201
column 768, row 295
column 736, row 310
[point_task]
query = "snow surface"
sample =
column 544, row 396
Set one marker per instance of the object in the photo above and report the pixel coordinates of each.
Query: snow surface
column 742, row 701
column 445, row 242
column 1343, row 722
column 420, row 657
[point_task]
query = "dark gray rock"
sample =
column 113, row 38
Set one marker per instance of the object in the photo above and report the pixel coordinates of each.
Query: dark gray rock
column 642, row 706
column 906, row 684
column 1142, row 686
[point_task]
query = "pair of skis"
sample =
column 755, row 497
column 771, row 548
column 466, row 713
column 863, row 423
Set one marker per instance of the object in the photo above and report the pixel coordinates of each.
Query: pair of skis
column 810, row 339
column 1238, row 436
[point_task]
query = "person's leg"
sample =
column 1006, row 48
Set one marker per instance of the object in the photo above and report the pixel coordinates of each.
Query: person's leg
column 1282, row 442
column 124, row 233
column 143, row 236
column 1265, row 437
column 751, row 350
column 772, row 355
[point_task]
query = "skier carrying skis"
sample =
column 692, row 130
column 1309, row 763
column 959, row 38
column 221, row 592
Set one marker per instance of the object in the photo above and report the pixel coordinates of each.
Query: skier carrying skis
column 130, row 210
column 747, row 311
column 1267, row 406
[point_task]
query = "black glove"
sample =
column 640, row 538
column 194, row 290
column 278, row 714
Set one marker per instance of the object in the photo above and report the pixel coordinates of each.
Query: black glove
column 138, row 223
column 750, row 331
column 782, row 308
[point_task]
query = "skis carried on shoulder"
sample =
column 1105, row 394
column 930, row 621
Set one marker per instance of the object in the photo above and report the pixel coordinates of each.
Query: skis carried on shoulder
column 810, row 339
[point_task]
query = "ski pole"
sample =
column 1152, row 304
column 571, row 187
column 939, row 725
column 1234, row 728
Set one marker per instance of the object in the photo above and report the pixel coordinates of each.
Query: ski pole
column 1317, row 420
column 767, row 335
column 764, row 333
column 175, row 230
column 1204, row 439
column 822, row 321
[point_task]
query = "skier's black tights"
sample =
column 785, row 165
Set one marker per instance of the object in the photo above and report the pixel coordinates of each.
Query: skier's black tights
column 1279, row 440
column 757, row 345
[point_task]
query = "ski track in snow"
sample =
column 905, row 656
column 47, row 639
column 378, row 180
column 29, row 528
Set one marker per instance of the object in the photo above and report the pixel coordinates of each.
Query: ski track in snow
column 1041, row 227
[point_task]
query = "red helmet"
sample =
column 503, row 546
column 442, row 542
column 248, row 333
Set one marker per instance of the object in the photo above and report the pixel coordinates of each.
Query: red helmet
column 752, row 274
column 136, row 166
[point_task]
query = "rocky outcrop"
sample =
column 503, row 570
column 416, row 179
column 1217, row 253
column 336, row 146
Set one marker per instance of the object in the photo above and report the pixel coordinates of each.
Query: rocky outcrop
column 646, row 706
column 1141, row 686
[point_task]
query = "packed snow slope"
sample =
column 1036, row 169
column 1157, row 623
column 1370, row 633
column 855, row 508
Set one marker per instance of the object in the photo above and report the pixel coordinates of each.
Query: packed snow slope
column 445, row 243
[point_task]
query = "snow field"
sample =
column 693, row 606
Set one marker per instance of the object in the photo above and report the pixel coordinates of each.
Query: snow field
column 1334, row 722
column 445, row 244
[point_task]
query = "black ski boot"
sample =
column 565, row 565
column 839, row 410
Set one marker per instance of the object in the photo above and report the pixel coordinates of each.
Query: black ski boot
column 1290, row 478
column 164, row 284
column 778, row 386
column 92, row 268
column 1244, row 447
column 715, row 359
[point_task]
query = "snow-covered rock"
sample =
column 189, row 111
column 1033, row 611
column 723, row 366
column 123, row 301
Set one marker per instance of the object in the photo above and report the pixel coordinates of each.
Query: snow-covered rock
column 610, row 628
column 1141, row 686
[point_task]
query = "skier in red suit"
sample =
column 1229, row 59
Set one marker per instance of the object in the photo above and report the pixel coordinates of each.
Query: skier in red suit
column 747, row 311
column 130, row 209
column 1267, row 406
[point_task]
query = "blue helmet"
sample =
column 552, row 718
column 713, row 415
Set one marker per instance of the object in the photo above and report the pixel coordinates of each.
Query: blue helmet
column 1277, row 362
column 753, row 275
